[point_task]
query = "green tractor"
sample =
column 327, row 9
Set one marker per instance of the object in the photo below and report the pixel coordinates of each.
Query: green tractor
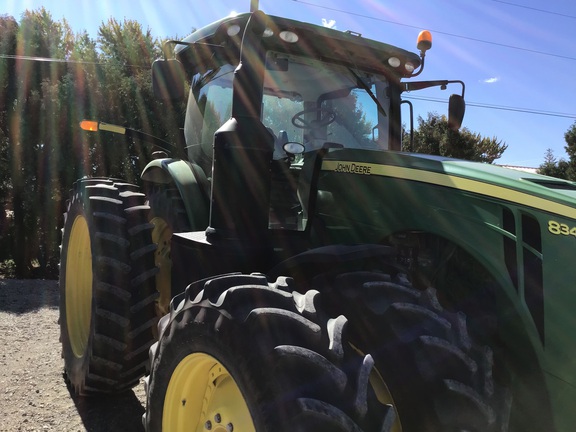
column 295, row 270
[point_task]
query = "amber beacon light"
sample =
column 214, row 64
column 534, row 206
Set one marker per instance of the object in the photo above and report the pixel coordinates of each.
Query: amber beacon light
column 89, row 125
column 424, row 42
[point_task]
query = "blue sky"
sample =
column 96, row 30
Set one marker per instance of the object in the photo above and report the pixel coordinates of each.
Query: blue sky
column 518, row 55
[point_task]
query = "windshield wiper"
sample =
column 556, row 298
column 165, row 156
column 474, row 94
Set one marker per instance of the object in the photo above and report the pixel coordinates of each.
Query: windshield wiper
column 368, row 90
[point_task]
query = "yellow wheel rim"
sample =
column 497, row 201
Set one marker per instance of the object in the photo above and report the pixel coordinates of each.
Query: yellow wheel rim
column 79, row 286
column 384, row 396
column 161, row 236
column 202, row 396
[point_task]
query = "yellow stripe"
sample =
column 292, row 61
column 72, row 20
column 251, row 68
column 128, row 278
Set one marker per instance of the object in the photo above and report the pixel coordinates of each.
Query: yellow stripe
column 111, row 128
column 455, row 182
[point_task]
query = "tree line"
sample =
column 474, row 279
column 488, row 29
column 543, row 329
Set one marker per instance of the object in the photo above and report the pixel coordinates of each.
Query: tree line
column 43, row 150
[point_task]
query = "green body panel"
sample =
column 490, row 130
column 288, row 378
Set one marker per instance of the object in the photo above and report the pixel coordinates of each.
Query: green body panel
column 519, row 226
column 190, row 181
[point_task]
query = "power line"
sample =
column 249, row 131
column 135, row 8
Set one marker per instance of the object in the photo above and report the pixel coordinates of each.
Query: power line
column 57, row 60
column 535, row 9
column 439, row 32
column 45, row 59
column 499, row 107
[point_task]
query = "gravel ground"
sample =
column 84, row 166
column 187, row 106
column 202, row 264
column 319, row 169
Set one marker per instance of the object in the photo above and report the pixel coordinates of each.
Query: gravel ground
column 33, row 392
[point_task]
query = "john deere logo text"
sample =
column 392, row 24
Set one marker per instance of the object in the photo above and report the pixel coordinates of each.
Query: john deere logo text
column 353, row 168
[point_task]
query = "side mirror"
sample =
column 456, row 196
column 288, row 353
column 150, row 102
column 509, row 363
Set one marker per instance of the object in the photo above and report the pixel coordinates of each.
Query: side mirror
column 456, row 109
column 168, row 79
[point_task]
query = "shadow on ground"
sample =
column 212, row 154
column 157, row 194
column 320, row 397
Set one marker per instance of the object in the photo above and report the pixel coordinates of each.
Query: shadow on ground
column 110, row 413
column 25, row 295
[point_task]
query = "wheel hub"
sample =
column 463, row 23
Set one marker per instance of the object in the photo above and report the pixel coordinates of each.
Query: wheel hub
column 203, row 396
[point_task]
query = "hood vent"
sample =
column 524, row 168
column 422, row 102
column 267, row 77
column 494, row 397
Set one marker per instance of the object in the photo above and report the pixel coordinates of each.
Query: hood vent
column 553, row 184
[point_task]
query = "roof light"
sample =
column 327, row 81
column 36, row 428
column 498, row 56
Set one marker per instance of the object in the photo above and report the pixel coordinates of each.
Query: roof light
column 409, row 67
column 288, row 36
column 394, row 62
column 268, row 32
column 233, row 30
column 89, row 125
column 424, row 42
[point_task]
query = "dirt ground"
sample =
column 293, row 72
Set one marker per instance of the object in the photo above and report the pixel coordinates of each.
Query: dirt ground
column 33, row 392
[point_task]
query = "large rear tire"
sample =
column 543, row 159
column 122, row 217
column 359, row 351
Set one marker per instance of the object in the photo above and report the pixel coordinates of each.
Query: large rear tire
column 438, row 378
column 107, row 290
column 246, row 355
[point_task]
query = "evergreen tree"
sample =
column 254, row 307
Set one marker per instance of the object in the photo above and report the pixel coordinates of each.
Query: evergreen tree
column 434, row 137
column 570, row 138
column 553, row 167
column 8, row 34
column 42, row 149
column 565, row 169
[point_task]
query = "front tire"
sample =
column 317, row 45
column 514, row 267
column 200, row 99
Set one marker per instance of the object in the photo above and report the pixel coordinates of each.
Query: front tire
column 107, row 290
column 438, row 378
column 246, row 355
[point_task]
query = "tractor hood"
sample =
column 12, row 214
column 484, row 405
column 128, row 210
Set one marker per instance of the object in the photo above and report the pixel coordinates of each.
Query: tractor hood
column 540, row 192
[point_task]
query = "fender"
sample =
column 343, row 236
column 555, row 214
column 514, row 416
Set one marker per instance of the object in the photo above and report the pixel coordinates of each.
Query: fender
column 190, row 181
column 314, row 261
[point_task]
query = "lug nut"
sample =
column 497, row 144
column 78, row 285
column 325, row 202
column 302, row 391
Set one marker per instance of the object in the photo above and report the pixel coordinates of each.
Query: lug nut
column 218, row 418
column 229, row 427
column 208, row 425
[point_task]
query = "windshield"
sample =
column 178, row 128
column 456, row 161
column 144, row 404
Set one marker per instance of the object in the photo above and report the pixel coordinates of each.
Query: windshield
column 305, row 101
column 312, row 102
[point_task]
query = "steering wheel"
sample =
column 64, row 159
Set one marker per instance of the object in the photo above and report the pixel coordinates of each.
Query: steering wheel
column 326, row 117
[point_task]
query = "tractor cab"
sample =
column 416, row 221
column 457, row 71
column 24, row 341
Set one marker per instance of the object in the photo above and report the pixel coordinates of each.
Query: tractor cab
column 310, row 85
column 269, row 98
column 307, row 105
column 294, row 90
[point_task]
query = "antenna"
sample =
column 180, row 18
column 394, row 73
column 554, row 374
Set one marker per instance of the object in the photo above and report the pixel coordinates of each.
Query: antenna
column 253, row 5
